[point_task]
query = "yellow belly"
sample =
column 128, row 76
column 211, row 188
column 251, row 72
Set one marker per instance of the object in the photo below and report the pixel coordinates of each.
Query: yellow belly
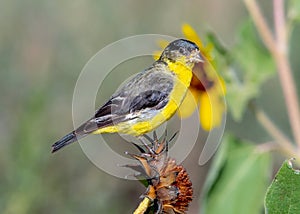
column 181, row 84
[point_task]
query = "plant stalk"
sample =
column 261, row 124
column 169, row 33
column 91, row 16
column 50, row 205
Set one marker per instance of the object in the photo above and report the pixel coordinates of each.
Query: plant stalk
column 284, row 70
column 278, row 49
column 284, row 143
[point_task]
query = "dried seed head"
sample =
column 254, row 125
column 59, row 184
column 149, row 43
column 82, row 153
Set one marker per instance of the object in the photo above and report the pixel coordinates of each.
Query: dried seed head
column 169, row 186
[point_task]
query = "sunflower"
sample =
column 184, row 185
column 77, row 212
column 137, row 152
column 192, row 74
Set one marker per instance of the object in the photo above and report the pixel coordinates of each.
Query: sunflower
column 207, row 88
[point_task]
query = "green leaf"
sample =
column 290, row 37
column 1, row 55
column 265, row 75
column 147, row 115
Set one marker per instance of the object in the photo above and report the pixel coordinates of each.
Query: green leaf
column 215, row 171
column 250, row 66
column 238, row 179
column 283, row 196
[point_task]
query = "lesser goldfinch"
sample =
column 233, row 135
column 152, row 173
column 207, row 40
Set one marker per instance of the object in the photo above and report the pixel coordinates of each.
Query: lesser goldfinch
column 150, row 98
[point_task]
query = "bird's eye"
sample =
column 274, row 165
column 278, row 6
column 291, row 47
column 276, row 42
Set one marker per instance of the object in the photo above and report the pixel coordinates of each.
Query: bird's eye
column 181, row 50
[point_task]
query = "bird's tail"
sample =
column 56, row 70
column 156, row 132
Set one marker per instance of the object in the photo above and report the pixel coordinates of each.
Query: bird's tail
column 69, row 138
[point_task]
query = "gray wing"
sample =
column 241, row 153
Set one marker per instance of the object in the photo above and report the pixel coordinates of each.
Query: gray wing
column 149, row 89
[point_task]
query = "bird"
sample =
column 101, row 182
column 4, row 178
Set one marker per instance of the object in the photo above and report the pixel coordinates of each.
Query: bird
column 147, row 100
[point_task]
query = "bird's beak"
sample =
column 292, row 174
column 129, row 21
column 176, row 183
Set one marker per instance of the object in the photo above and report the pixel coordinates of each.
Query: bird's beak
column 196, row 57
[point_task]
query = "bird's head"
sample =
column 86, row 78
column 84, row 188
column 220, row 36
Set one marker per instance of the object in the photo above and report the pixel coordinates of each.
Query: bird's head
column 182, row 51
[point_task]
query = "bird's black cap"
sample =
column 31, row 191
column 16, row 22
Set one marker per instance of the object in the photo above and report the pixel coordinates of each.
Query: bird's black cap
column 182, row 44
column 177, row 48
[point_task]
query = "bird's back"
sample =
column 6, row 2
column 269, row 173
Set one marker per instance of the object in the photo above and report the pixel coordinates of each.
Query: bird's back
column 136, row 102
column 145, row 90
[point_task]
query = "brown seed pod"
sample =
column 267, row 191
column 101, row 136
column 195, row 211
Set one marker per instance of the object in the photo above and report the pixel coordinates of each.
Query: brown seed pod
column 169, row 187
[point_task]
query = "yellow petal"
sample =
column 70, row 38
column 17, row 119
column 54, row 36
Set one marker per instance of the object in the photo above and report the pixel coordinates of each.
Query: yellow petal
column 192, row 35
column 163, row 44
column 156, row 55
column 211, row 111
column 189, row 103
column 218, row 111
column 223, row 86
column 205, row 112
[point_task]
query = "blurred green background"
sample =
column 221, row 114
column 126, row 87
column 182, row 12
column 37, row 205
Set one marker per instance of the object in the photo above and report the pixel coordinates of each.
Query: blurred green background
column 43, row 47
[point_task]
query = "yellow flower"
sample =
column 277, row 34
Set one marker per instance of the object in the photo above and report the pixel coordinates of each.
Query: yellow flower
column 207, row 88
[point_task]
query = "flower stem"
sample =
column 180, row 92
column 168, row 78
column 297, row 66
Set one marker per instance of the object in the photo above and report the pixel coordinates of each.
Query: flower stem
column 284, row 70
column 268, row 147
column 284, row 143
column 143, row 206
column 280, row 25
column 261, row 24
column 278, row 49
